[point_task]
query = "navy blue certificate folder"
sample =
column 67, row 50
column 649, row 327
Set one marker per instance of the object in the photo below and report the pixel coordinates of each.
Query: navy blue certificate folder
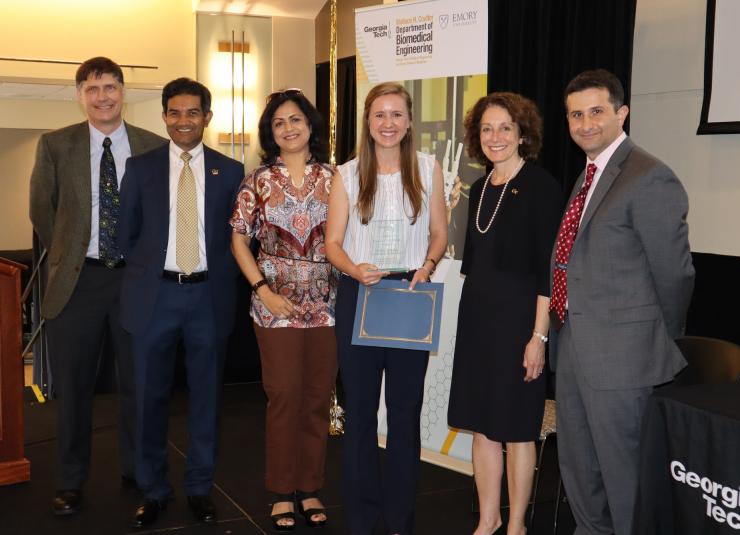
column 390, row 315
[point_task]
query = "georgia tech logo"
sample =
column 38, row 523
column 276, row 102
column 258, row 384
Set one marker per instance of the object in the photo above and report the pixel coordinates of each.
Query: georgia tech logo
column 722, row 502
column 443, row 21
column 379, row 30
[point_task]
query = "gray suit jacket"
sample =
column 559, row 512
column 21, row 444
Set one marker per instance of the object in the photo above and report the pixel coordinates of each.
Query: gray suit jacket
column 630, row 275
column 61, row 202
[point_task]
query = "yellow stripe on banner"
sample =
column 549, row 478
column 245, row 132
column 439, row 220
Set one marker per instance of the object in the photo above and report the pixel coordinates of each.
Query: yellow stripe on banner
column 448, row 442
column 37, row 392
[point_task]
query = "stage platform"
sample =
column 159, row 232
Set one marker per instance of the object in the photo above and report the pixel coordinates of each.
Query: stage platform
column 443, row 501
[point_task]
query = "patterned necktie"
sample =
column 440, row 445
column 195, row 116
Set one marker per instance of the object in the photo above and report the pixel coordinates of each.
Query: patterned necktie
column 108, row 209
column 563, row 247
column 187, row 245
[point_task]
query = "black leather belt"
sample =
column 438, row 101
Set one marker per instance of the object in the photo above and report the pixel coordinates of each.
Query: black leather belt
column 182, row 278
column 98, row 262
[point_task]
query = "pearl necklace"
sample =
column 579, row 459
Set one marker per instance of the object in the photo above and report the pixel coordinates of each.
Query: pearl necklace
column 501, row 197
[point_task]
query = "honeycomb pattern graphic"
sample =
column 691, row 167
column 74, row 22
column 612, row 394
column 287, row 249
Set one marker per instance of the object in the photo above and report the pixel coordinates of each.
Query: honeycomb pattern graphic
column 437, row 393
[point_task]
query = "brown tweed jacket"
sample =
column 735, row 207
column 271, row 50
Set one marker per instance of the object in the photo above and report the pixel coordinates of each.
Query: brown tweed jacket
column 61, row 202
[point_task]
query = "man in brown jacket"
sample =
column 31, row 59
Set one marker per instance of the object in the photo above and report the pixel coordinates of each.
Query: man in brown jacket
column 74, row 210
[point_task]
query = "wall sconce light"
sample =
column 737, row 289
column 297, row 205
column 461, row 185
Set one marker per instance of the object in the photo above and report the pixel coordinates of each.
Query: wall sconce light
column 234, row 138
column 225, row 138
column 228, row 46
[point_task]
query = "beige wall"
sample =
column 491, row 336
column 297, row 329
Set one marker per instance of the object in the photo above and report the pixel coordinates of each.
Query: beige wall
column 667, row 93
column 147, row 114
column 17, row 150
column 345, row 28
column 53, row 114
column 39, row 114
column 293, row 59
column 141, row 32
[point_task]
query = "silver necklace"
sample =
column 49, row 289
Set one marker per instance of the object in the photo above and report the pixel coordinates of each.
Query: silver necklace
column 500, row 198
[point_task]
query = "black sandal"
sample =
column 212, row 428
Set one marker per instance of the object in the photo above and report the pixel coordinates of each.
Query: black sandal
column 308, row 513
column 283, row 498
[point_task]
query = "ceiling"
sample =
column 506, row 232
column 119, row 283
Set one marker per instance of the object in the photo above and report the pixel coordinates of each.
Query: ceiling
column 301, row 9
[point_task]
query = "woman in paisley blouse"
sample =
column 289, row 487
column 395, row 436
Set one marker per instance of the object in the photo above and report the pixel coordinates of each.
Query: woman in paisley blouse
column 283, row 204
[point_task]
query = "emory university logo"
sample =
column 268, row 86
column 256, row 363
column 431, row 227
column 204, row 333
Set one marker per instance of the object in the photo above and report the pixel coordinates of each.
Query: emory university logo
column 443, row 21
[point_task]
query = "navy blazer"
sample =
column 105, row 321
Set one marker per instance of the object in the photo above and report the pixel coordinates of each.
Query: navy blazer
column 144, row 234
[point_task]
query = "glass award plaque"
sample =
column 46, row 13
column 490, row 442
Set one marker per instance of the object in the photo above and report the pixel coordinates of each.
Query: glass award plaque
column 387, row 244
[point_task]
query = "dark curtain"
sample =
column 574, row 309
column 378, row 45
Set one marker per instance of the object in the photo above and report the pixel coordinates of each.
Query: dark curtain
column 712, row 311
column 346, row 104
column 536, row 46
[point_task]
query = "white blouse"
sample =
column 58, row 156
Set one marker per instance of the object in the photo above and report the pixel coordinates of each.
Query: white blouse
column 390, row 205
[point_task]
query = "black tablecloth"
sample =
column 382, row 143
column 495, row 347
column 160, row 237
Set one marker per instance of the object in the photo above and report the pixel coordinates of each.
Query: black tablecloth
column 690, row 462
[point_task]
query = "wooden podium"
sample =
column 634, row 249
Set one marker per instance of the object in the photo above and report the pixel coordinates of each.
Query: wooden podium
column 14, row 468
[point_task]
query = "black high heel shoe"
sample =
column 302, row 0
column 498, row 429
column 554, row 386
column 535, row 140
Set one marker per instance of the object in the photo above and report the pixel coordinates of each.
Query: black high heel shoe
column 276, row 518
column 309, row 513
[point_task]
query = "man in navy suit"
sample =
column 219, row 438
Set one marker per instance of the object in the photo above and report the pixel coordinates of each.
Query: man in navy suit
column 178, row 285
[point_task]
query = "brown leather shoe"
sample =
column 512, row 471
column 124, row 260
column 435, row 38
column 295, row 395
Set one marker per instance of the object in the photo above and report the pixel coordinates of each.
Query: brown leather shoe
column 67, row 502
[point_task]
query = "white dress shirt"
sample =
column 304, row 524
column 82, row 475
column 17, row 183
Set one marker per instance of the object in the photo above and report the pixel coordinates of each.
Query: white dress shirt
column 197, row 165
column 601, row 162
column 121, row 150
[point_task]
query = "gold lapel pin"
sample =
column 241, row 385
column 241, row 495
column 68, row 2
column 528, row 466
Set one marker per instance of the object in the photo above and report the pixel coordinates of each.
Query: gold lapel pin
column 514, row 191
column 214, row 171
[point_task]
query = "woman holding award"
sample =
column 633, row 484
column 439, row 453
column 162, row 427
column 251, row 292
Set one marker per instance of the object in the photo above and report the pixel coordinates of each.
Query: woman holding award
column 283, row 204
column 386, row 213
column 497, row 389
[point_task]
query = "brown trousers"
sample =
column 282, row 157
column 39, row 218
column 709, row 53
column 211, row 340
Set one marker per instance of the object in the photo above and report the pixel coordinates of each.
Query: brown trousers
column 299, row 371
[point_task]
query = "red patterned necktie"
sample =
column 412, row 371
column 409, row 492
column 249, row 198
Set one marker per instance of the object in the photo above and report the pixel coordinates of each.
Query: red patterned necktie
column 563, row 246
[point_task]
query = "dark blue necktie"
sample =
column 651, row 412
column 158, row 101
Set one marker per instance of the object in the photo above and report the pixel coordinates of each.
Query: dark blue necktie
column 108, row 209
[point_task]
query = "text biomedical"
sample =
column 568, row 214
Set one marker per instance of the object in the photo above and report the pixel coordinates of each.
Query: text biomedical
column 415, row 43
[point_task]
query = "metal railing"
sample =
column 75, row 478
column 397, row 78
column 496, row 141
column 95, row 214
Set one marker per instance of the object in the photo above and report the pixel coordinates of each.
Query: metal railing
column 35, row 350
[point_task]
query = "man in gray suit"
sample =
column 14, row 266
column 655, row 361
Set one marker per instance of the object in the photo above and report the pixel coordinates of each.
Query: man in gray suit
column 622, row 282
column 74, row 210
